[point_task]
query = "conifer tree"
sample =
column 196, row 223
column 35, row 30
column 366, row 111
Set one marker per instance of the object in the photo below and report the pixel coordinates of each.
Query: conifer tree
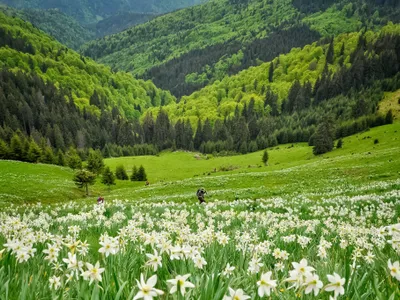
column 134, row 175
column 141, row 174
column 95, row 163
column 265, row 157
column 73, row 159
column 324, row 137
column 16, row 151
column 108, row 177
column 120, row 173
column 34, row 152
column 4, row 150
column 84, row 178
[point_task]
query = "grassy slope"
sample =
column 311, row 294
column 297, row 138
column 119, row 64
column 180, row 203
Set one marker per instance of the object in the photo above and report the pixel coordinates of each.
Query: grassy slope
column 176, row 176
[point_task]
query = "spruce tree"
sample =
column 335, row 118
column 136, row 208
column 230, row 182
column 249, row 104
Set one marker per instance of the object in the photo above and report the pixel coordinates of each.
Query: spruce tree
column 339, row 144
column 389, row 117
column 141, row 174
column 4, row 150
column 108, row 177
column 60, row 160
column 34, row 152
column 95, row 163
column 73, row 159
column 120, row 173
column 47, row 156
column 324, row 137
column 271, row 72
column 134, row 175
column 265, row 157
column 84, row 178
column 16, row 151
column 330, row 55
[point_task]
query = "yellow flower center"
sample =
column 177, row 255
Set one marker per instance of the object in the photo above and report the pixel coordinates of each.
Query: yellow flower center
column 146, row 289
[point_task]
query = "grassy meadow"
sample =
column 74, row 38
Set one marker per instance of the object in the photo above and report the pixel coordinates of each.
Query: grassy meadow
column 303, row 227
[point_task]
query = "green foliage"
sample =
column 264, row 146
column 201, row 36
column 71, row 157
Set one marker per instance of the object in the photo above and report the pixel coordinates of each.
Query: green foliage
column 52, row 21
column 324, row 137
column 4, row 150
column 120, row 173
column 265, row 157
column 73, row 159
column 16, row 149
column 95, row 163
column 339, row 144
column 82, row 76
column 134, row 175
column 141, row 174
column 34, row 152
column 84, row 178
column 108, row 177
column 197, row 46
column 86, row 12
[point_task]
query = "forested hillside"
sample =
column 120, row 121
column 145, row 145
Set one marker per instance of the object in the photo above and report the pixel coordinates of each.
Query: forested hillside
column 52, row 92
column 340, row 82
column 91, row 11
column 63, row 28
column 189, row 49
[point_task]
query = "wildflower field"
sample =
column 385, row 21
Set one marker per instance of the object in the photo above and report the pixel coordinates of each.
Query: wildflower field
column 325, row 228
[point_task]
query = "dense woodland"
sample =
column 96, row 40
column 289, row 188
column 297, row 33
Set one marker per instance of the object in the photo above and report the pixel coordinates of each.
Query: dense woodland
column 29, row 50
column 88, row 12
column 196, row 46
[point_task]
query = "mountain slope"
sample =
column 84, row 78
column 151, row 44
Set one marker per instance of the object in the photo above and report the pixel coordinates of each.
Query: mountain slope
column 91, row 11
column 310, row 64
column 60, row 26
column 27, row 49
column 186, row 50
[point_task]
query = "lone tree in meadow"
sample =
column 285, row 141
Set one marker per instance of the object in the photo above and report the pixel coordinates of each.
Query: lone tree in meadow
column 95, row 163
column 339, row 144
column 324, row 137
column 84, row 178
column 108, row 177
column 120, row 173
column 265, row 157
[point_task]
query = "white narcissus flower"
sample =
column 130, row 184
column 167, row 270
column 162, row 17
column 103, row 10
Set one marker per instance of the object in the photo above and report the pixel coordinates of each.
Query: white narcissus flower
column 394, row 269
column 228, row 270
column 266, row 284
column 55, row 282
column 336, row 284
column 146, row 289
column 154, row 260
column 313, row 283
column 181, row 283
column 199, row 261
column 93, row 273
column 236, row 295
column 302, row 267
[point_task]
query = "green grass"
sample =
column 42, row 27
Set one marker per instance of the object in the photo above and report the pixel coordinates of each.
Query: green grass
column 176, row 176
column 391, row 101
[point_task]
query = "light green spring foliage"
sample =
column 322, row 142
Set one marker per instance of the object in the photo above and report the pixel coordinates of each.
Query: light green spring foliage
column 221, row 98
column 62, row 27
column 82, row 76
column 171, row 35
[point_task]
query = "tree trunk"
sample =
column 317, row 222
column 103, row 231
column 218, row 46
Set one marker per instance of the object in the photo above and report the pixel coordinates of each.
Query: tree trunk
column 87, row 189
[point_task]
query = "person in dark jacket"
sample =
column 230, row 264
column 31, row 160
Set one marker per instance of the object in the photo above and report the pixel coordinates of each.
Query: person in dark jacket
column 201, row 194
